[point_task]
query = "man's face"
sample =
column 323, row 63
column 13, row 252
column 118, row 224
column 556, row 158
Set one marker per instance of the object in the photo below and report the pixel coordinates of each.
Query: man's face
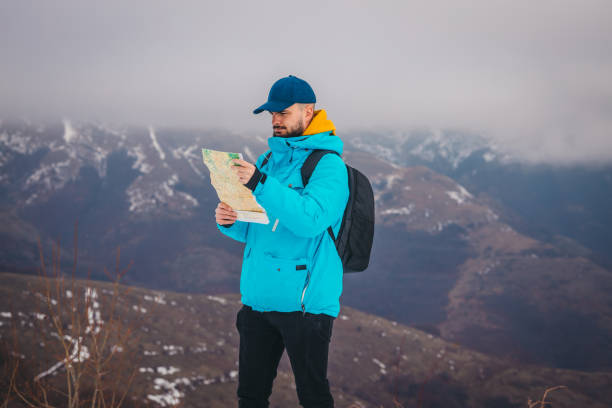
column 289, row 122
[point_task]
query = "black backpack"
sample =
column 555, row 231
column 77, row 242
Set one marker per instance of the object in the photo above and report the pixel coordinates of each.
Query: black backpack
column 356, row 234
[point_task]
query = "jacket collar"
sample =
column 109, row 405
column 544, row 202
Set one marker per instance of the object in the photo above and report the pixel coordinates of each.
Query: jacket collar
column 320, row 134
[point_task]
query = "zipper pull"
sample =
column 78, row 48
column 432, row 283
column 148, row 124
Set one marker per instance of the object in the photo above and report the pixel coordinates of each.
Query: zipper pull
column 275, row 225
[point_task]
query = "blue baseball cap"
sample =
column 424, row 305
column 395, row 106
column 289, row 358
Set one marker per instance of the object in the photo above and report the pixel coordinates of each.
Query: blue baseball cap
column 285, row 92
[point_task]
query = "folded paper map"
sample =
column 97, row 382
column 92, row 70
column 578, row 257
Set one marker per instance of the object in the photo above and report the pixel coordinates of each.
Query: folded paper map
column 229, row 188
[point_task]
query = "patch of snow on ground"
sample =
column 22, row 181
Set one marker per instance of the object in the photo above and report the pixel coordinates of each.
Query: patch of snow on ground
column 47, row 173
column 191, row 154
column 167, row 371
column 460, row 196
column 93, row 311
column 16, row 142
column 157, row 298
column 156, row 145
column 69, row 133
column 399, row 211
column 491, row 216
column 145, row 195
column 488, row 157
column 138, row 201
column 167, row 186
column 200, row 349
column 139, row 309
column 189, row 198
column 172, row 395
column 218, row 299
column 173, row 350
column 79, row 354
column 391, row 179
column 140, row 165
column 383, row 367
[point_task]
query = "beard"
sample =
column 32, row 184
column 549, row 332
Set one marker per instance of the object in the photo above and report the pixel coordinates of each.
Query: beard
column 291, row 132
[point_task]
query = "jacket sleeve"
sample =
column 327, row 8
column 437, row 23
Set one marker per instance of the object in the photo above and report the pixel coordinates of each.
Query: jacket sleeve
column 321, row 203
column 237, row 230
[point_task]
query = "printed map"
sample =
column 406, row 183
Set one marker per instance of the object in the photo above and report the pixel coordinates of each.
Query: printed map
column 229, row 188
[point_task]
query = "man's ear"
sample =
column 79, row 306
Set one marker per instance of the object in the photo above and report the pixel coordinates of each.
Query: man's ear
column 309, row 112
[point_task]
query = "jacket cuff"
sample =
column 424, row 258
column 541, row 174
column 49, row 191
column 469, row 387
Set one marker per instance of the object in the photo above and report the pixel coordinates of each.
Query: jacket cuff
column 254, row 180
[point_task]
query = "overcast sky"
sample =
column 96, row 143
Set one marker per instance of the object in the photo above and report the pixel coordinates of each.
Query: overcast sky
column 536, row 76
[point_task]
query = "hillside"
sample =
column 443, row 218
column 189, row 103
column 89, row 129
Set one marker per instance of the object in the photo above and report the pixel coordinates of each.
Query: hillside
column 548, row 201
column 446, row 259
column 186, row 345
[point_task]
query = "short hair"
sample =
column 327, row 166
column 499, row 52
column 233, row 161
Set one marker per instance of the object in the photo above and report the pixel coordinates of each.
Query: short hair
column 302, row 106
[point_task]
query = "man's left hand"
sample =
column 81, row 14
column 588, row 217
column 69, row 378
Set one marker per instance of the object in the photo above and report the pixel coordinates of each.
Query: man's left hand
column 243, row 169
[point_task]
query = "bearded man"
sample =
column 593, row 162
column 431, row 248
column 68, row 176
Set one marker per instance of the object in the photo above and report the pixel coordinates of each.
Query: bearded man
column 291, row 277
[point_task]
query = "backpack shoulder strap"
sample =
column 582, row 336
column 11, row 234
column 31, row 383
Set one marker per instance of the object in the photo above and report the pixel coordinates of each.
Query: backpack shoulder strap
column 311, row 162
column 265, row 160
column 308, row 168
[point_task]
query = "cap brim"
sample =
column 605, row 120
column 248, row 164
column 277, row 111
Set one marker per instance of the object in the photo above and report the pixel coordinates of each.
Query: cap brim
column 273, row 106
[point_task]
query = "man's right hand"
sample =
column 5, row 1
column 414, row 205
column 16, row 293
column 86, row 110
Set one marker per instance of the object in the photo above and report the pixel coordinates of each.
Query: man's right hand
column 224, row 215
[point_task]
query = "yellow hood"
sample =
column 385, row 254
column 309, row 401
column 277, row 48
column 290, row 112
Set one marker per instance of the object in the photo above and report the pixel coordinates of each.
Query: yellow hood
column 320, row 124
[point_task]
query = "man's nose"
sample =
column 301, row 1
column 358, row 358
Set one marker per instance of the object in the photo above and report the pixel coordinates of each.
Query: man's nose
column 275, row 119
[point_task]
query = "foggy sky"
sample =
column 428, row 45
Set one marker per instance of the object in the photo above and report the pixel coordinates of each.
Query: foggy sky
column 535, row 76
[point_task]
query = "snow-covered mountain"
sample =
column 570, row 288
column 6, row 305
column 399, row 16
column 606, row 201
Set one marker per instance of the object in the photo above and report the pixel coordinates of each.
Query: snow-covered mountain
column 549, row 201
column 63, row 152
column 126, row 186
column 447, row 257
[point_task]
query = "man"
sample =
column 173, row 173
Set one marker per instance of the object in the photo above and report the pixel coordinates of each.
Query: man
column 291, row 277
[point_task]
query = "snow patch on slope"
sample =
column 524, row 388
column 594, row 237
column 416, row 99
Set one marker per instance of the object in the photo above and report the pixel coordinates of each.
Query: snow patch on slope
column 156, row 145
column 140, row 157
column 189, row 154
column 399, row 211
column 460, row 196
column 69, row 133
column 146, row 195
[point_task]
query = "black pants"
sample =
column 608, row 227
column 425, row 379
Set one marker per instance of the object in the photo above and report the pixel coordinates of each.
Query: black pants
column 264, row 336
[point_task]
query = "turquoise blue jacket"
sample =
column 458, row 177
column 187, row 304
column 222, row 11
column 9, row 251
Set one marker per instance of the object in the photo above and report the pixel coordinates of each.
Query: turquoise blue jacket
column 295, row 266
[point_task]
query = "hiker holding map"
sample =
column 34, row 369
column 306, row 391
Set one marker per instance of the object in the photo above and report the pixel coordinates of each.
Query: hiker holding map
column 230, row 188
column 291, row 277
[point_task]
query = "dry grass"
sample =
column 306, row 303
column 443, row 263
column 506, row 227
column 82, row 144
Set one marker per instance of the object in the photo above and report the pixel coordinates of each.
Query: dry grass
column 543, row 403
column 91, row 350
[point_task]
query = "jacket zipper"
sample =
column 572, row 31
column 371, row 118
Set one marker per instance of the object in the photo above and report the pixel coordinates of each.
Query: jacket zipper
column 304, row 292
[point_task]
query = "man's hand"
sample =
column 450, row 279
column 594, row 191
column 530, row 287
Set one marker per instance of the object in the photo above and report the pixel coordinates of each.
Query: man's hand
column 243, row 169
column 224, row 215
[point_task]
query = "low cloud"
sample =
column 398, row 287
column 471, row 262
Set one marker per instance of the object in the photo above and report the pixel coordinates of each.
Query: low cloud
column 533, row 76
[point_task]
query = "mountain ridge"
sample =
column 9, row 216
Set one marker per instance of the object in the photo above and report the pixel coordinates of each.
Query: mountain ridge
column 445, row 257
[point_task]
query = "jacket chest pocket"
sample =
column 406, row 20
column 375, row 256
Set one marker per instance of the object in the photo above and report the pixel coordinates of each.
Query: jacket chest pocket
column 294, row 181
